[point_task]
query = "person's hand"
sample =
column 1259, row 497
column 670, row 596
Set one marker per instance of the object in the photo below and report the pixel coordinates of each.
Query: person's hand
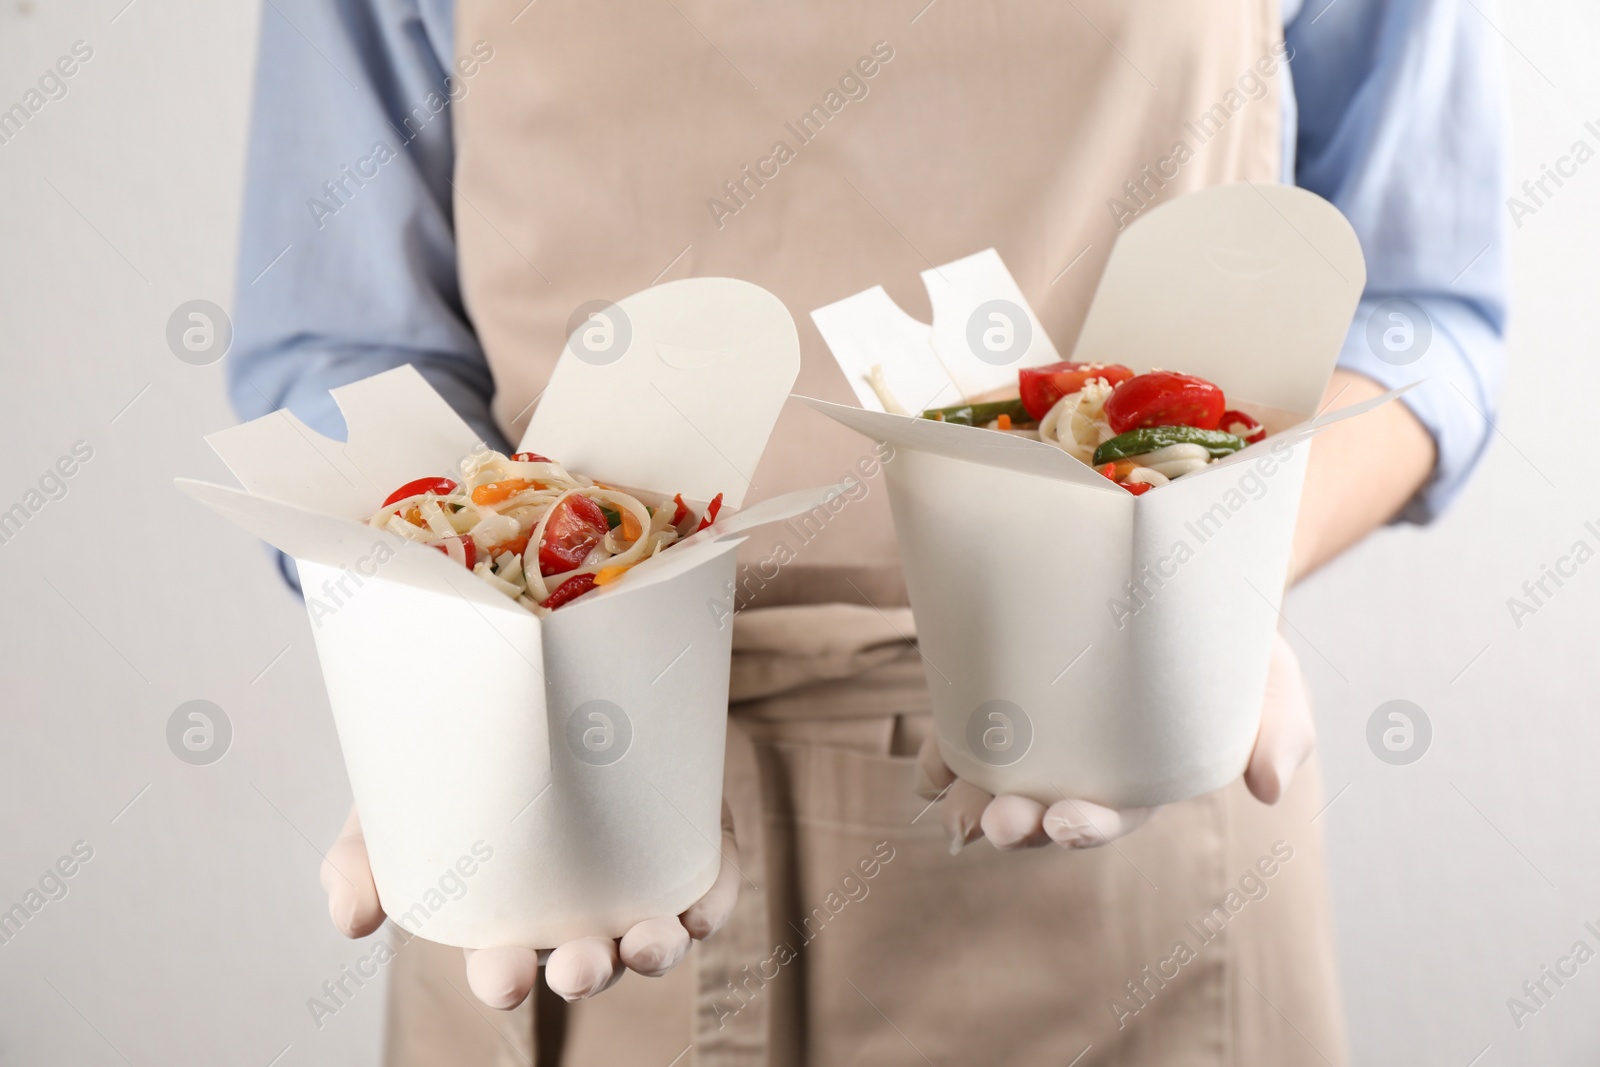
column 1284, row 741
column 503, row 977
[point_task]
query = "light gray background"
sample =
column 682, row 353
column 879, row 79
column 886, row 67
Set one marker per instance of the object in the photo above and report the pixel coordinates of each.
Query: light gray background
column 198, row 930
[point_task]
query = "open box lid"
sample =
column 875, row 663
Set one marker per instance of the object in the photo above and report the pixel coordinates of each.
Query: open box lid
column 310, row 496
column 1252, row 287
column 686, row 403
column 936, row 365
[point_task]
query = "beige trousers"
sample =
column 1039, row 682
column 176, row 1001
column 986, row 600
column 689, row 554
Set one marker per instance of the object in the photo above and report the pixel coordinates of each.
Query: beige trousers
column 1203, row 939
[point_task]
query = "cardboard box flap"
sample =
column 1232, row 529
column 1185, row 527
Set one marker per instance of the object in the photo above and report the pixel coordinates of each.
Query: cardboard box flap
column 1305, row 430
column 776, row 509
column 724, row 535
column 310, row 496
column 1272, row 271
column 339, row 542
column 399, row 429
column 961, row 442
column 931, row 366
column 1044, row 460
column 688, row 381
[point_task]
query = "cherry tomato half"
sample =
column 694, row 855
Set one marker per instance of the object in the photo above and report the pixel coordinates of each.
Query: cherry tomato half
column 530, row 457
column 1163, row 398
column 1041, row 387
column 469, row 549
column 436, row 486
column 574, row 528
column 1241, row 425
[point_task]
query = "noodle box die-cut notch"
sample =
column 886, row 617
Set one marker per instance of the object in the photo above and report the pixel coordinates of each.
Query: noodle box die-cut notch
column 573, row 763
column 1080, row 641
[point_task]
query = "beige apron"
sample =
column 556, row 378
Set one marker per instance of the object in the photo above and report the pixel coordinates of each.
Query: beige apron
column 817, row 149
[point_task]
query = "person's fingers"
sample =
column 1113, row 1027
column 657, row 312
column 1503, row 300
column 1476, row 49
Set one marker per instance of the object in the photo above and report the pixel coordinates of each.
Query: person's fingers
column 705, row 916
column 932, row 776
column 502, row 977
column 1082, row 824
column 1013, row 822
column 583, row 968
column 961, row 812
column 347, row 879
column 1288, row 733
column 655, row 946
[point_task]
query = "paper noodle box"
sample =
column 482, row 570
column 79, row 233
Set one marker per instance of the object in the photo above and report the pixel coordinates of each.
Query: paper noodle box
column 1079, row 641
column 525, row 780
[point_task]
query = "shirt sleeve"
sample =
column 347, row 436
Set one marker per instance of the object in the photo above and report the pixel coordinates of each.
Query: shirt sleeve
column 1401, row 124
column 347, row 262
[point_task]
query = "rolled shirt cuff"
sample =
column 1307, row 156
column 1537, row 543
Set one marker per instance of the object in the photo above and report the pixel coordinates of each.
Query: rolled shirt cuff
column 1457, row 354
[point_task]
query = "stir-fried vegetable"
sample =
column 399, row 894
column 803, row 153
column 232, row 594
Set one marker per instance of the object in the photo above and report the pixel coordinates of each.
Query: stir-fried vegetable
column 429, row 486
column 1243, row 426
column 534, row 530
column 1162, row 398
column 1155, row 426
column 1041, row 387
column 979, row 414
column 1139, row 442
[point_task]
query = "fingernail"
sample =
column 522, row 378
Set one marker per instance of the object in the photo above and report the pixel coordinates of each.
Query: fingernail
column 1069, row 834
column 1005, row 838
column 958, row 841
column 595, row 983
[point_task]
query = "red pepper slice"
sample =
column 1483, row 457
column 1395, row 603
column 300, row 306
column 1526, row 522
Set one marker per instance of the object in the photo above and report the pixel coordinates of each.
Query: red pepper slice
column 436, row 486
column 1041, row 387
column 1109, row 470
column 530, row 457
column 711, row 513
column 469, row 549
column 575, row 526
column 1162, row 398
column 1136, row 488
column 1241, row 425
column 682, row 512
column 568, row 591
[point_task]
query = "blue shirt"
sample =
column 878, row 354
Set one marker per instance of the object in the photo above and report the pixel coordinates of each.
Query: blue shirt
column 1393, row 111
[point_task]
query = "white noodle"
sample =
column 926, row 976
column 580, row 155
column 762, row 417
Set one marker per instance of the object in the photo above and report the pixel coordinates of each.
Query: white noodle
column 446, row 520
column 1148, row 475
column 1077, row 425
column 880, row 385
column 1179, row 467
column 1169, row 454
column 397, row 525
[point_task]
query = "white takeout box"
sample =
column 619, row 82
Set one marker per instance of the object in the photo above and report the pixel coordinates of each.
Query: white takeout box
column 1051, row 675
column 524, row 780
